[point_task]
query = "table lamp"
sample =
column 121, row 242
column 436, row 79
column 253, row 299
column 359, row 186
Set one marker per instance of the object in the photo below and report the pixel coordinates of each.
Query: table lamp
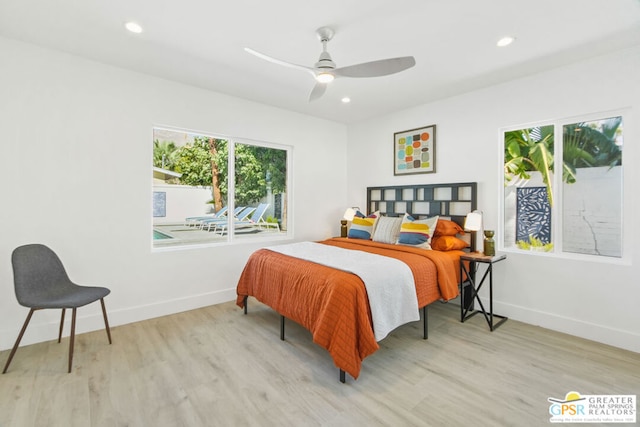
column 348, row 216
column 473, row 223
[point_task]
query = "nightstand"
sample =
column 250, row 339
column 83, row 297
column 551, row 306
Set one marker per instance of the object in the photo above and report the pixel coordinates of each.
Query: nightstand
column 475, row 259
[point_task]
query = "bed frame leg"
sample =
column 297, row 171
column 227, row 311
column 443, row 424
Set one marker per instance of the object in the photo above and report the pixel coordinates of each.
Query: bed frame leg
column 342, row 376
column 425, row 323
column 281, row 328
column 246, row 298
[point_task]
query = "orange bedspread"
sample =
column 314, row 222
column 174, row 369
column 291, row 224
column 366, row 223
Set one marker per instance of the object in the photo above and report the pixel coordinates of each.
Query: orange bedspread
column 332, row 304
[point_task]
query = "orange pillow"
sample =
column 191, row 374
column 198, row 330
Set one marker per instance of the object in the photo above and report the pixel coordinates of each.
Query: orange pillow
column 446, row 227
column 448, row 243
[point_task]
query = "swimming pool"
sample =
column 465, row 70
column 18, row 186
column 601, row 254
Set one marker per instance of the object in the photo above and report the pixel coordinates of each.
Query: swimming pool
column 159, row 235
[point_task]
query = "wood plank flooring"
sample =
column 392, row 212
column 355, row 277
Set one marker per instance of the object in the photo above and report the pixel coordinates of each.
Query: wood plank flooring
column 217, row 367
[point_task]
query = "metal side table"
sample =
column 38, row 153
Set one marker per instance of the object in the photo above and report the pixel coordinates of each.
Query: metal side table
column 475, row 259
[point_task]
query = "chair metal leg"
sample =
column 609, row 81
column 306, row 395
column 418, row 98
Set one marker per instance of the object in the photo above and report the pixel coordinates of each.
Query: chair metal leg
column 61, row 325
column 106, row 322
column 72, row 337
column 15, row 346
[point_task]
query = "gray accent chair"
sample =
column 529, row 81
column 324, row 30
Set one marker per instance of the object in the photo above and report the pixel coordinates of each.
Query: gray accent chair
column 41, row 282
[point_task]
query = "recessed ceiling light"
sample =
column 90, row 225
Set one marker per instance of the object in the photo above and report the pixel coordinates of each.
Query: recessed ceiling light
column 505, row 41
column 134, row 27
column 346, row 100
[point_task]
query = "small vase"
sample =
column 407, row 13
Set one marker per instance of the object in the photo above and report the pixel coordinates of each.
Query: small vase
column 343, row 228
column 489, row 243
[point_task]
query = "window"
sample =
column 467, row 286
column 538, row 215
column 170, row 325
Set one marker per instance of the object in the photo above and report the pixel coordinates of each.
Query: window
column 211, row 189
column 563, row 186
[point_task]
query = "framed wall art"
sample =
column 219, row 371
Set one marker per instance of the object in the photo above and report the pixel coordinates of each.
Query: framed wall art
column 414, row 151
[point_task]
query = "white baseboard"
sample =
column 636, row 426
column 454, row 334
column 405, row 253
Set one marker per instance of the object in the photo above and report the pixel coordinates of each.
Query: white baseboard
column 627, row 340
column 41, row 332
column 150, row 311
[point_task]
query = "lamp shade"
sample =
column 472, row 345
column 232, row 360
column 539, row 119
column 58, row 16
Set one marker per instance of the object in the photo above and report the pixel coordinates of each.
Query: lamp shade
column 349, row 214
column 473, row 221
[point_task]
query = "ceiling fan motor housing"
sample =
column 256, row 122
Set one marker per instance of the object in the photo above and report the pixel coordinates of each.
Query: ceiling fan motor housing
column 324, row 35
column 325, row 61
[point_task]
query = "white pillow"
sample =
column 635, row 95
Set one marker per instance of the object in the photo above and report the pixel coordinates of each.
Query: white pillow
column 387, row 230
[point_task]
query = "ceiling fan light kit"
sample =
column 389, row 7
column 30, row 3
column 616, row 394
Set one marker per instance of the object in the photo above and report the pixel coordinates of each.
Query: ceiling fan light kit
column 325, row 77
column 325, row 70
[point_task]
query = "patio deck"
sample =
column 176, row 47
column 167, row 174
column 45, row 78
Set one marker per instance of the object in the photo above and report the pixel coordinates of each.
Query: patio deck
column 180, row 235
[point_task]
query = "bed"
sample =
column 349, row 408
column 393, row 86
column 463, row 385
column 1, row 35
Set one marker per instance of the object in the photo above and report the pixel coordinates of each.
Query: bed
column 333, row 304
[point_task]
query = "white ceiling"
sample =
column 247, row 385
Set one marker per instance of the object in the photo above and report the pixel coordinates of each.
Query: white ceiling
column 201, row 43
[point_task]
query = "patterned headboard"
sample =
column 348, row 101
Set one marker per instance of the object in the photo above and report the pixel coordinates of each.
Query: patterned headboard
column 453, row 201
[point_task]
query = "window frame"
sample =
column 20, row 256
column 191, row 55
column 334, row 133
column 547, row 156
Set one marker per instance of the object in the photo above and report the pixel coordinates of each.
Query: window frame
column 230, row 238
column 557, row 185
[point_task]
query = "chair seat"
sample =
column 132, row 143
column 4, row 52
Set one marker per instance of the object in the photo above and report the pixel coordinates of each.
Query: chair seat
column 68, row 297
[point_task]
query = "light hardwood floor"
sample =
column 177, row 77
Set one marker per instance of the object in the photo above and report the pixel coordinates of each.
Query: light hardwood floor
column 217, row 367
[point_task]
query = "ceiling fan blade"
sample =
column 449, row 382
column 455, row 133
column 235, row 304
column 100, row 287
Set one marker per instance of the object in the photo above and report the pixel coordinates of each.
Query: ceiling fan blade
column 279, row 62
column 318, row 90
column 382, row 67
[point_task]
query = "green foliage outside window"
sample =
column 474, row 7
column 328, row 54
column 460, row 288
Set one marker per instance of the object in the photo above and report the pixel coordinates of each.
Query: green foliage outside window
column 163, row 154
column 528, row 150
column 193, row 161
column 590, row 144
column 204, row 162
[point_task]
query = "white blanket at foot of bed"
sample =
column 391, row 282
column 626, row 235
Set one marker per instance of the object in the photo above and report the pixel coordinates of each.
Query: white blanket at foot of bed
column 389, row 282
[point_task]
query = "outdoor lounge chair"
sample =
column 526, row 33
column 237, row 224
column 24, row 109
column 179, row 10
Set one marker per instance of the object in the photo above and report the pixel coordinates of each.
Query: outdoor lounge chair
column 203, row 219
column 256, row 221
column 195, row 220
column 240, row 216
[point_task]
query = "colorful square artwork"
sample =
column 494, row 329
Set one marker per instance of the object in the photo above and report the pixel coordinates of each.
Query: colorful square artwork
column 414, row 151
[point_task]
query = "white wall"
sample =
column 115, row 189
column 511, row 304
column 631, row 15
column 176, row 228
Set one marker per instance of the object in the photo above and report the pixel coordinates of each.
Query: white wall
column 591, row 222
column 71, row 127
column 596, row 300
column 183, row 201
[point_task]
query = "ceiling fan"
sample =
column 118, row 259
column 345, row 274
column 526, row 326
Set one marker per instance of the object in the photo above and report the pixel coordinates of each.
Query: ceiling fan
column 325, row 70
